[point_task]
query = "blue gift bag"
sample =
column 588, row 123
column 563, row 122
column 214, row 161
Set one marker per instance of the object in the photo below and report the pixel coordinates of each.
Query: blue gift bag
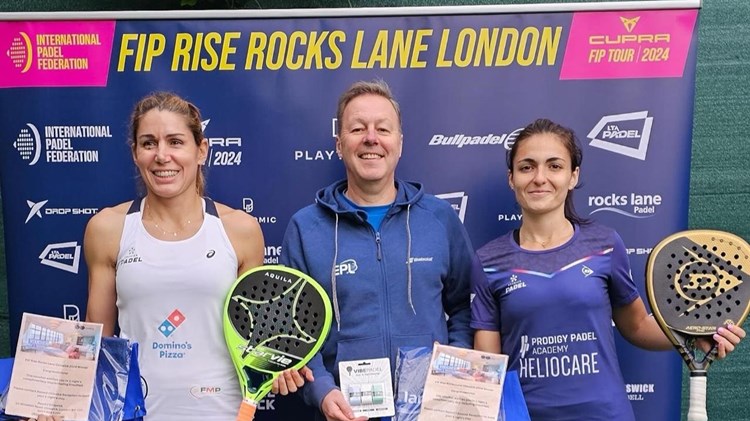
column 412, row 365
column 117, row 389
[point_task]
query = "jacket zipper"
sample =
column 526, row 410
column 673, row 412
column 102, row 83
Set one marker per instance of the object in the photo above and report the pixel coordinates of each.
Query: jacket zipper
column 387, row 332
column 377, row 243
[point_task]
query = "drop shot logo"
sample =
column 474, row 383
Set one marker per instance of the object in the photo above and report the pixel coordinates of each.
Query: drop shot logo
column 38, row 209
column 35, row 209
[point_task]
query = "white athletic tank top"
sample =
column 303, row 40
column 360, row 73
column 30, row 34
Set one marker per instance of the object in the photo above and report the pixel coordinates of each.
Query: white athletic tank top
column 170, row 298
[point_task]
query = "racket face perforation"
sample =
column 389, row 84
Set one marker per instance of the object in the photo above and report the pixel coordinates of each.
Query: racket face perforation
column 695, row 281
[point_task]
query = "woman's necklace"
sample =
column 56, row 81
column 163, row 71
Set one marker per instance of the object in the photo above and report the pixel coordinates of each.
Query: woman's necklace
column 565, row 234
column 167, row 233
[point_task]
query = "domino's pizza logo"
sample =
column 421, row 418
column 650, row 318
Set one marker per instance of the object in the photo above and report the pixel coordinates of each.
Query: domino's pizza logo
column 172, row 322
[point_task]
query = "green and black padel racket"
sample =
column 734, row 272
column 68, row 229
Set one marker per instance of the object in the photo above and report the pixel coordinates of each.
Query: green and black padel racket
column 696, row 282
column 275, row 318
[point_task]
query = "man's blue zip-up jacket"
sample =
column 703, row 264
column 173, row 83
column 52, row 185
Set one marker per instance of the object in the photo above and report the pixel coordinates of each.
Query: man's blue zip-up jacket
column 407, row 284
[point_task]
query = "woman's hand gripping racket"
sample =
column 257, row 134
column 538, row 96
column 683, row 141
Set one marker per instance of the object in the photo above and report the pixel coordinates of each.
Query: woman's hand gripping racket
column 275, row 318
column 696, row 282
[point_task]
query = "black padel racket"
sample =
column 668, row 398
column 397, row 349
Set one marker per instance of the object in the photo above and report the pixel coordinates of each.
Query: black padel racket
column 696, row 282
column 275, row 318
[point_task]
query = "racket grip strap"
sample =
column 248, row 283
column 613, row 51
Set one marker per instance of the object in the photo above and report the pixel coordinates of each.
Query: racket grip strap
column 697, row 409
column 247, row 410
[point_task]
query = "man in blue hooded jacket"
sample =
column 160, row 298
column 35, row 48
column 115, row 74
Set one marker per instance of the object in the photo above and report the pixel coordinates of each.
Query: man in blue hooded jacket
column 395, row 261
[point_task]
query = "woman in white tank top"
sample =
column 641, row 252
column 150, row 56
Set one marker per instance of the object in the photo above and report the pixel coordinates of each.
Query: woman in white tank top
column 160, row 266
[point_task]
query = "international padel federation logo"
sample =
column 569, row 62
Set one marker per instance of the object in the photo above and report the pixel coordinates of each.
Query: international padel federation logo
column 29, row 144
column 20, row 52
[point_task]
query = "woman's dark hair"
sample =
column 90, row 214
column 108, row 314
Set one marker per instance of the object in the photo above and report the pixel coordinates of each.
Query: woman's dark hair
column 568, row 138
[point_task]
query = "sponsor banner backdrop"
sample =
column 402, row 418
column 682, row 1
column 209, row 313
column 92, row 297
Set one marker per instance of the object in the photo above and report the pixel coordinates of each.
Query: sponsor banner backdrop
column 267, row 88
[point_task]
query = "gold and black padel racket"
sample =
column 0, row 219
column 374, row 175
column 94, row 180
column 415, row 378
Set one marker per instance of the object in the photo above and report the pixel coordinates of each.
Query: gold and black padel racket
column 697, row 281
column 275, row 318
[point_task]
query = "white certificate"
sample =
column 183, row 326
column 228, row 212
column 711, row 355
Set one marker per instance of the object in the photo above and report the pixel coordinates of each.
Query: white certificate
column 463, row 384
column 55, row 368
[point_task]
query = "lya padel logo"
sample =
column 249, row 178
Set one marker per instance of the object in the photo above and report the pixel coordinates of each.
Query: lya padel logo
column 625, row 134
column 458, row 201
column 35, row 209
column 29, row 144
column 63, row 256
column 172, row 322
column 629, row 23
column 524, row 345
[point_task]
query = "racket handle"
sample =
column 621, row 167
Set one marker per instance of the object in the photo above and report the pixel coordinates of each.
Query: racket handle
column 247, row 410
column 697, row 410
